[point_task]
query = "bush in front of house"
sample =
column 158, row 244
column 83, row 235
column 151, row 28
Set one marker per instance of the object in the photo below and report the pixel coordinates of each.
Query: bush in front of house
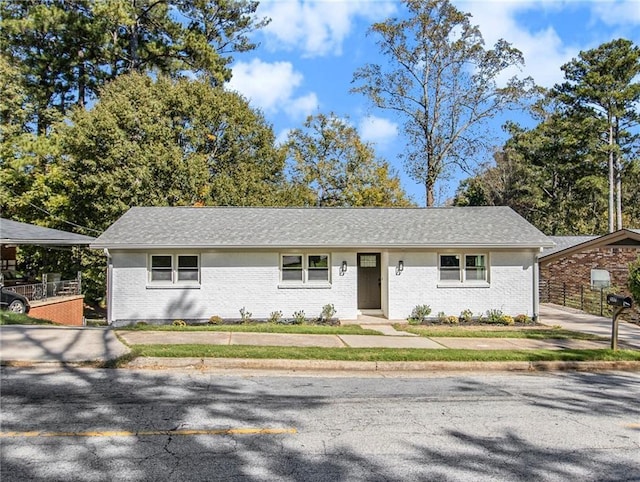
column 466, row 316
column 522, row 319
column 179, row 323
column 215, row 320
column 419, row 314
column 299, row 318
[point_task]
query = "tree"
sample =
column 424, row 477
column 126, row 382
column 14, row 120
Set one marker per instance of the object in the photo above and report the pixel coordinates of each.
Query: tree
column 333, row 167
column 66, row 50
column 167, row 142
column 551, row 175
column 443, row 83
column 604, row 83
column 634, row 280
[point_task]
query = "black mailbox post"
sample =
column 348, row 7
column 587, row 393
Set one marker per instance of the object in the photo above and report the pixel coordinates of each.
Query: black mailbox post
column 620, row 303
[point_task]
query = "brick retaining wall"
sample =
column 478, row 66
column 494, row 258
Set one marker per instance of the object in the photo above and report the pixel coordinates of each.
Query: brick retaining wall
column 66, row 310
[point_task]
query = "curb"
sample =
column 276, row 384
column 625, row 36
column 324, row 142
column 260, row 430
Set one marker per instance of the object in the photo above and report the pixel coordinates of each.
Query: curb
column 329, row 366
column 356, row 366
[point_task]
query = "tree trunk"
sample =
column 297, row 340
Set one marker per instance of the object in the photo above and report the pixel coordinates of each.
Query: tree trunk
column 611, row 179
column 618, row 174
column 430, row 195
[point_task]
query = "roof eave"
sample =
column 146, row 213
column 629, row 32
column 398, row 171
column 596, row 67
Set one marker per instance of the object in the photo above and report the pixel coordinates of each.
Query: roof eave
column 115, row 246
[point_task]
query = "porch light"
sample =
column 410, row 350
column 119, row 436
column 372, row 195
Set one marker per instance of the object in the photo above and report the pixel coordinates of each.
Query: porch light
column 400, row 267
column 343, row 268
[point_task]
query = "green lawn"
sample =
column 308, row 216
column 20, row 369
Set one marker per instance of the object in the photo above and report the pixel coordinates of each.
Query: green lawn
column 479, row 332
column 378, row 354
column 263, row 328
column 9, row 318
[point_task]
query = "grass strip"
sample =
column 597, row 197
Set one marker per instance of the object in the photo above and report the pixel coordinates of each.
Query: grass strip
column 531, row 333
column 9, row 318
column 262, row 328
column 379, row 354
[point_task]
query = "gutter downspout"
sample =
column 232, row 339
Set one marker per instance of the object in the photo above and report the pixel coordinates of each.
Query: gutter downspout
column 109, row 286
column 536, row 288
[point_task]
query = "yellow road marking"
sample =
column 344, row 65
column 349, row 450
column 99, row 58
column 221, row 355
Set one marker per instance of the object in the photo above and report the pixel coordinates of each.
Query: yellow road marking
column 147, row 433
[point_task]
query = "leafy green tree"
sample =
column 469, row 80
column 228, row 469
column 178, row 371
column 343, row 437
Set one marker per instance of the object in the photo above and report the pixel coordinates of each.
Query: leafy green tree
column 552, row 175
column 634, row 280
column 66, row 50
column 604, row 83
column 443, row 83
column 333, row 167
column 167, row 142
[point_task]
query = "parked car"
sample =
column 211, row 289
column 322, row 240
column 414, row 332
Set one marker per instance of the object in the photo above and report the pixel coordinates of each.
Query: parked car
column 15, row 278
column 12, row 301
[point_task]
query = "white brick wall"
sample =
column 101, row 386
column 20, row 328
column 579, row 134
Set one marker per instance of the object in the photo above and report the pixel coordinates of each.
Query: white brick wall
column 510, row 288
column 229, row 281
column 232, row 280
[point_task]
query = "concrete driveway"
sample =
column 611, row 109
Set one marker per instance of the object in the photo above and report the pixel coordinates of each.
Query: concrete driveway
column 570, row 319
column 58, row 344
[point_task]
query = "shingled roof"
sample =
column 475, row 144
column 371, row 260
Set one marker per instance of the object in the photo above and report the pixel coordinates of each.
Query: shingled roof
column 255, row 227
column 15, row 232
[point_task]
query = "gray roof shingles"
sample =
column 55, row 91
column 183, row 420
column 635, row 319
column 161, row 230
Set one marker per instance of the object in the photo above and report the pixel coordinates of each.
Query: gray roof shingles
column 255, row 227
column 15, row 232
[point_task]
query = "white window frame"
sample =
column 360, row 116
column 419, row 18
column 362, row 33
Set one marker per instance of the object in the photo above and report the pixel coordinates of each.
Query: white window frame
column 462, row 269
column 175, row 270
column 306, row 281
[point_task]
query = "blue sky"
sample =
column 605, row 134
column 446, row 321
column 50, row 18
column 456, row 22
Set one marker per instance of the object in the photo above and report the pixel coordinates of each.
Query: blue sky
column 310, row 50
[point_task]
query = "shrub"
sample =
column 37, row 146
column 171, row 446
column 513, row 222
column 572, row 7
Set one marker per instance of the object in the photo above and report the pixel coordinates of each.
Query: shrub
column 142, row 323
column 328, row 311
column 442, row 317
column 179, row 323
column 466, row 316
column 451, row 320
column 299, row 317
column 494, row 316
column 634, row 280
column 215, row 320
column 275, row 317
column 507, row 320
column 419, row 314
column 523, row 319
column 245, row 316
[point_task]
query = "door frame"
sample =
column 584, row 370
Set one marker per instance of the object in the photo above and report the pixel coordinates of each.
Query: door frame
column 378, row 256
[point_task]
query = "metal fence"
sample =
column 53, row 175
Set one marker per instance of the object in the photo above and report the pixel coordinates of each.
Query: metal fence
column 48, row 289
column 581, row 297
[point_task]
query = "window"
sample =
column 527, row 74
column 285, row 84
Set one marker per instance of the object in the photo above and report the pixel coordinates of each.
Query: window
column 449, row 267
column 318, row 267
column 310, row 268
column 475, row 267
column 168, row 269
column 161, row 268
column 600, row 278
column 188, row 268
column 292, row 268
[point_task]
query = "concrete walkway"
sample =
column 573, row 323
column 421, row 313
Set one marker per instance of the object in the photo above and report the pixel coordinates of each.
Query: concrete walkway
column 72, row 344
column 58, row 344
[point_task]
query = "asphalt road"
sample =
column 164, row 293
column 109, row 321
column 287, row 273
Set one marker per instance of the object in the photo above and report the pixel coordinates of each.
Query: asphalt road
column 87, row 424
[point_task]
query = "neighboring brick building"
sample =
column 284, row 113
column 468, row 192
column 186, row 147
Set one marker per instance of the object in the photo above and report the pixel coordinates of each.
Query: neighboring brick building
column 579, row 268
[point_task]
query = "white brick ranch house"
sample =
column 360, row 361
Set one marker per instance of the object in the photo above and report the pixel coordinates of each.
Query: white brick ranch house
column 191, row 263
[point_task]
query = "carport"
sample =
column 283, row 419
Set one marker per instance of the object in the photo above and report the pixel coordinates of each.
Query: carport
column 52, row 298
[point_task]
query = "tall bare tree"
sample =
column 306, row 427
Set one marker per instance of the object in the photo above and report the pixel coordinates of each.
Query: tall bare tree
column 443, row 83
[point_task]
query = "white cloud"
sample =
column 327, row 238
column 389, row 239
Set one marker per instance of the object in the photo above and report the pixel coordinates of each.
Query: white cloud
column 317, row 28
column 271, row 87
column 302, row 107
column 617, row 12
column 543, row 50
column 377, row 130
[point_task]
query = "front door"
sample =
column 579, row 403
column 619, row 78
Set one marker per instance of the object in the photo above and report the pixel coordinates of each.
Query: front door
column 369, row 281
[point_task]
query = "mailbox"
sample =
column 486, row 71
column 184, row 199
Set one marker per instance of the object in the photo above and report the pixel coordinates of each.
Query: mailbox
column 617, row 300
